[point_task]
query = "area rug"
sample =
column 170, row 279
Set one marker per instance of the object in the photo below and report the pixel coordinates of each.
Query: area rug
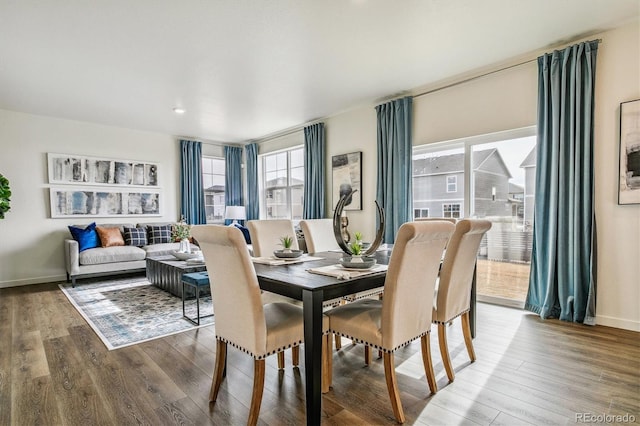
column 127, row 311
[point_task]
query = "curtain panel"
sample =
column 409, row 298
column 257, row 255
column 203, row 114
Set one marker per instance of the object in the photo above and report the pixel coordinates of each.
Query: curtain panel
column 314, row 172
column 562, row 282
column 232, row 177
column 393, row 190
column 253, row 194
column 191, row 188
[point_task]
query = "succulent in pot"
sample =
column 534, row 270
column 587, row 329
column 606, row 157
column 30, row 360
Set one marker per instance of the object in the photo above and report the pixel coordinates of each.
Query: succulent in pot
column 286, row 242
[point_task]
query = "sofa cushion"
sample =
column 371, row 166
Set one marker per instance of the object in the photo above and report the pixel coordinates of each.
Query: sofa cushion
column 135, row 237
column 87, row 237
column 161, row 249
column 101, row 255
column 159, row 234
column 110, row 237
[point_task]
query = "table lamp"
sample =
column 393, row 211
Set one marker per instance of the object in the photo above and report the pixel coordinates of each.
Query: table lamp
column 236, row 213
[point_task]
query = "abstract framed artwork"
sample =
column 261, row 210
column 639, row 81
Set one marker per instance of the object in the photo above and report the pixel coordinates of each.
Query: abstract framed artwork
column 72, row 201
column 629, row 176
column 71, row 169
column 346, row 173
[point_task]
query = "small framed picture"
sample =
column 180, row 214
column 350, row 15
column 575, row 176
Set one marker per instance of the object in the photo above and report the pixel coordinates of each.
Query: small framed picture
column 346, row 173
column 629, row 176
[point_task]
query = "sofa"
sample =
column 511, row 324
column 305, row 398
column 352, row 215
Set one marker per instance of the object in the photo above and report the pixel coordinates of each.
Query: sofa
column 108, row 259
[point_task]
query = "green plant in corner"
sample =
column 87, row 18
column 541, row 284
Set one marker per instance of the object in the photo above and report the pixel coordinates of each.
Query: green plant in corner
column 181, row 230
column 286, row 242
column 5, row 193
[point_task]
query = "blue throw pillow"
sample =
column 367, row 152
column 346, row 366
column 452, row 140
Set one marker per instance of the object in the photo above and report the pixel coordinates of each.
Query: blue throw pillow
column 159, row 234
column 87, row 238
column 135, row 237
column 245, row 232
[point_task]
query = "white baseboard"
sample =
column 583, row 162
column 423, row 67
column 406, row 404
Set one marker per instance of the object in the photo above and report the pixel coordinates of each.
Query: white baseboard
column 622, row 323
column 30, row 281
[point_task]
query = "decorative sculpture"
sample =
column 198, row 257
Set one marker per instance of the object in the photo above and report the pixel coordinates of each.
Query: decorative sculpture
column 338, row 230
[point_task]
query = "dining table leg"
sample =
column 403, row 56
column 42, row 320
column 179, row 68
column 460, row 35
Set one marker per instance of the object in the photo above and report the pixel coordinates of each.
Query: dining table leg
column 312, row 306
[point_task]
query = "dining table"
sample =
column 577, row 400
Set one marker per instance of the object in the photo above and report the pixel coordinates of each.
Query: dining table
column 295, row 281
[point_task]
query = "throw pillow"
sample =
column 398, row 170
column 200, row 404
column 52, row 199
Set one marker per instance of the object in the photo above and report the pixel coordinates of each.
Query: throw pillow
column 159, row 234
column 245, row 232
column 135, row 237
column 110, row 237
column 87, row 238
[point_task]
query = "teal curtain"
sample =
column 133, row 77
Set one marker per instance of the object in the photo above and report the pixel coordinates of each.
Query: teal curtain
column 232, row 176
column 253, row 203
column 393, row 191
column 314, row 171
column 191, row 189
column 562, row 282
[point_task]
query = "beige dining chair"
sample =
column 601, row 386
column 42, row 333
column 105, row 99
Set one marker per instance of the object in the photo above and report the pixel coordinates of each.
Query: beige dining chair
column 241, row 320
column 453, row 292
column 405, row 312
column 318, row 235
column 266, row 234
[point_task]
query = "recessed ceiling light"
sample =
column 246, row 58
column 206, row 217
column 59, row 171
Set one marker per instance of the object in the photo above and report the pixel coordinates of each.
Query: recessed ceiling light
column 179, row 110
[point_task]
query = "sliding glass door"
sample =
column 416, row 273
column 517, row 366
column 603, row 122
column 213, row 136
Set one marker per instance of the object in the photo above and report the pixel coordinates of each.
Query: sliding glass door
column 490, row 177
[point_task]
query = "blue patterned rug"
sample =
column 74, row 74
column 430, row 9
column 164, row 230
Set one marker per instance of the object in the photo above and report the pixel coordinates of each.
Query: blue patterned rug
column 127, row 311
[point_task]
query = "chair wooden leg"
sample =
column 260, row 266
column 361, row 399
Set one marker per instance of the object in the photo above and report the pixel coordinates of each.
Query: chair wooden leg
column 218, row 373
column 444, row 351
column 466, row 331
column 295, row 356
column 367, row 355
column 327, row 362
column 280, row 360
column 428, row 364
column 338, row 340
column 392, row 386
column 258, row 387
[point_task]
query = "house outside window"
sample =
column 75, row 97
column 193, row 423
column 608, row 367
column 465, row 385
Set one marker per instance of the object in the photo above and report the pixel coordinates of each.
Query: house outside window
column 452, row 183
column 420, row 213
column 451, row 210
column 213, row 182
column 283, row 184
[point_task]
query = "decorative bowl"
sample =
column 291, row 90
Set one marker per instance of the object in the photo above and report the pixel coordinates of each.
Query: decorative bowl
column 185, row 256
column 357, row 262
column 287, row 254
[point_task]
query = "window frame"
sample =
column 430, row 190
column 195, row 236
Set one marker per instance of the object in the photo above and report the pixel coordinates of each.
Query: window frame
column 454, row 183
column 288, row 187
column 451, row 210
column 213, row 157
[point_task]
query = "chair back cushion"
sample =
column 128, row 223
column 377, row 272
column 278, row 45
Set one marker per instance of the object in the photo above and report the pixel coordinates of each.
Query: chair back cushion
column 410, row 283
column 266, row 234
column 235, row 291
column 318, row 234
column 454, row 289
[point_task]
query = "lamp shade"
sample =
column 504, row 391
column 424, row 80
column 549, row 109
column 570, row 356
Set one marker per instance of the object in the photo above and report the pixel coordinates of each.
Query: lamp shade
column 235, row 212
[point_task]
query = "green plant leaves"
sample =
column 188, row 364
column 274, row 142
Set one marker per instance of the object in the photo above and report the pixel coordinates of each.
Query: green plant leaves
column 5, row 193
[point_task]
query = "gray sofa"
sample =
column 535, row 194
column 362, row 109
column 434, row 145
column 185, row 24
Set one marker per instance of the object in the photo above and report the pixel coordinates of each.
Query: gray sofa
column 102, row 261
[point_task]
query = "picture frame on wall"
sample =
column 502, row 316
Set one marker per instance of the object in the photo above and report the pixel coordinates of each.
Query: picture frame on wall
column 75, row 201
column 346, row 173
column 629, row 176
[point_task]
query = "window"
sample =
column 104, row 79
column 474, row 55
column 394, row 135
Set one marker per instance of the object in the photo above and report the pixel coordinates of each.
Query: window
column 283, row 184
column 452, row 183
column 420, row 213
column 451, row 210
column 213, row 182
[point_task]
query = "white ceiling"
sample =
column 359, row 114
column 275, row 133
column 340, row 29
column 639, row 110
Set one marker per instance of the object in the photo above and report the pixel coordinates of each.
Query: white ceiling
column 245, row 69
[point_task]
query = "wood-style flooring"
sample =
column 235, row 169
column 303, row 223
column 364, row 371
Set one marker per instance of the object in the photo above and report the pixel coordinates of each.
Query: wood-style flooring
column 55, row 370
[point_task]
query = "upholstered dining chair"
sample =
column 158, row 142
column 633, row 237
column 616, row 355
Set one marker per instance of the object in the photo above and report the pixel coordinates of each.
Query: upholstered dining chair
column 242, row 320
column 318, row 235
column 404, row 314
column 266, row 234
column 453, row 292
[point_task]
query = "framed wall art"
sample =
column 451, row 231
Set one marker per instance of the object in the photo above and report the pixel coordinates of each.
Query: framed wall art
column 346, row 173
column 82, row 170
column 72, row 201
column 629, row 177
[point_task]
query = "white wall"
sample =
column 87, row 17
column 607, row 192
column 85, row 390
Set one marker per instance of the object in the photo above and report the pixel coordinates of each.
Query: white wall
column 507, row 100
column 31, row 242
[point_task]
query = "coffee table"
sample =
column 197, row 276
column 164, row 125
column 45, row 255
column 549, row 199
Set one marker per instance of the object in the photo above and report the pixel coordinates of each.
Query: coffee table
column 166, row 273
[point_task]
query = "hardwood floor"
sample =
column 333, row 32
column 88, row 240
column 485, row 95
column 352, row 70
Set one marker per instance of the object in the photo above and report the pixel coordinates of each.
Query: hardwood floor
column 55, row 370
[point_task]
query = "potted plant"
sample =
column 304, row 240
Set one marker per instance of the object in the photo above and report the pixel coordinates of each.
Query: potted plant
column 181, row 232
column 356, row 251
column 5, row 193
column 286, row 242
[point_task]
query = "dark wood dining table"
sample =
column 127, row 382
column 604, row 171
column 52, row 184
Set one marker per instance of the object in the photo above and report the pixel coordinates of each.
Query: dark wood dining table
column 296, row 282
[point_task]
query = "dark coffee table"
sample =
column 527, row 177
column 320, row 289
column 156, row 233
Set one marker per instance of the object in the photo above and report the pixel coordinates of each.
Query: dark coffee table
column 166, row 273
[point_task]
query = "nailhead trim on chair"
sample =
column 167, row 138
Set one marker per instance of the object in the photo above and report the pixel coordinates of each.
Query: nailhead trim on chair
column 379, row 347
column 451, row 319
column 363, row 295
column 275, row 351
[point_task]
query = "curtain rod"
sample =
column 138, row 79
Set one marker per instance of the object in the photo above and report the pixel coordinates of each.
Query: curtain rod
column 466, row 80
